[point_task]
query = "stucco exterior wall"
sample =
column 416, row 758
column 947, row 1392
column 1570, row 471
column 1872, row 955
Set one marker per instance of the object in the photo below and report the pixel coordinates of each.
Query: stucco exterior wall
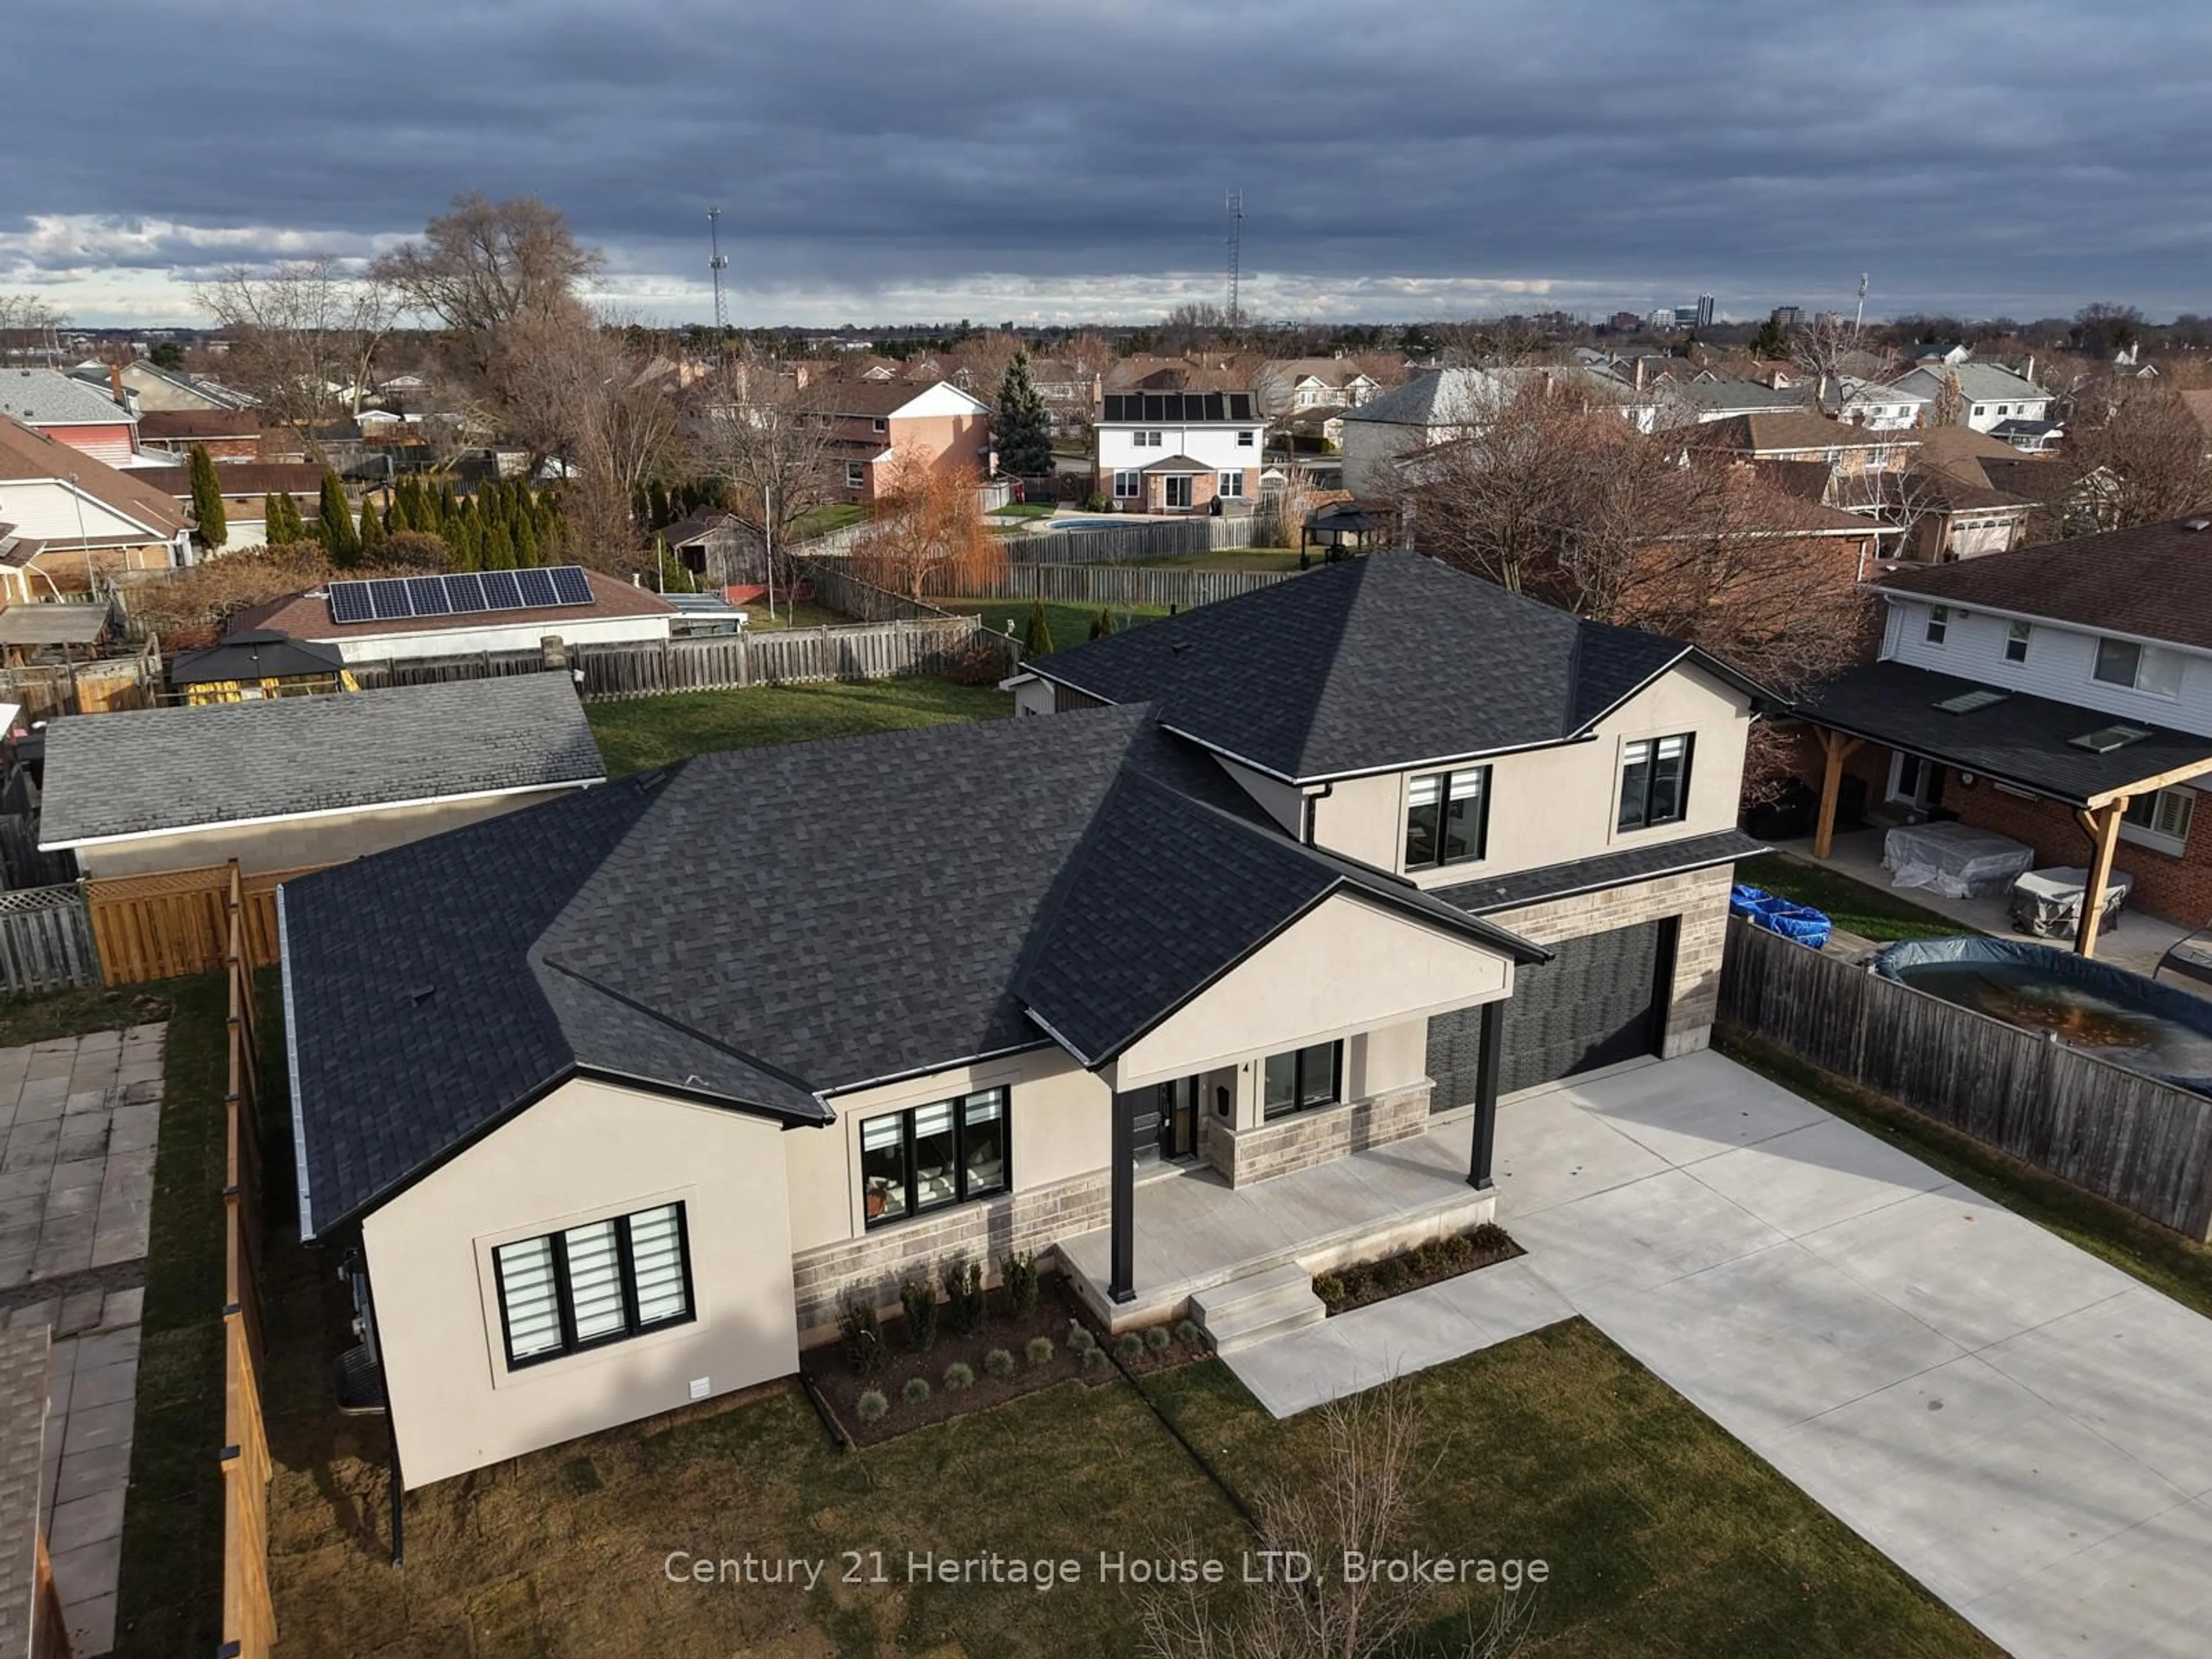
column 301, row 843
column 586, row 1152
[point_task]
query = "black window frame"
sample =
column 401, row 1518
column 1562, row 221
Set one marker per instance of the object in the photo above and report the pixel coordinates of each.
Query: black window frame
column 1622, row 822
column 959, row 1104
column 1298, row 1101
column 564, row 1299
column 1443, row 807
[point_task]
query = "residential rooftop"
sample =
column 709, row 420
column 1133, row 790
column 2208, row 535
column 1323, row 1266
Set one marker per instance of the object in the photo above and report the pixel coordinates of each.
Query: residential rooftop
column 2154, row 581
column 46, row 397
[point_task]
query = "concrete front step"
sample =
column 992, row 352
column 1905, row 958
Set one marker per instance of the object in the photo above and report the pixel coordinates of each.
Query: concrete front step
column 1256, row 1306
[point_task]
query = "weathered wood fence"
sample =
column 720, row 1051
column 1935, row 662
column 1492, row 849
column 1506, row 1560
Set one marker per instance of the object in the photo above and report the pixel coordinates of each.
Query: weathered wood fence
column 46, row 941
column 1113, row 584
column 941, row 645
column 2116, row 1132
column 249, row 1613
column 1140, row 538
column 849, row 595
column 98, row 687
column 180, row 921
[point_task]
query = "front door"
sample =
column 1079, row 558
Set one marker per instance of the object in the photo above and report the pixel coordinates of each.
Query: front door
column 1164, row 1120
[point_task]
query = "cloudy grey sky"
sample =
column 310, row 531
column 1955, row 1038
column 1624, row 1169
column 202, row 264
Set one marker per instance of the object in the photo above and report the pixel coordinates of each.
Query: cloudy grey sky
column 1046, row 160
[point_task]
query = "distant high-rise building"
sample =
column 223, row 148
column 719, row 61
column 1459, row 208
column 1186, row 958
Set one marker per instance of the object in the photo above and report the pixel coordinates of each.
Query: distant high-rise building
column 1786, row 316
column 1623, row 322
column 1687, row 316
column 1704, row 311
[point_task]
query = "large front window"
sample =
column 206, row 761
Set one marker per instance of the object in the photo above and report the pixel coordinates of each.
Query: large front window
column 562, row 1292
column 1447, row 818
column 1302, row 1078
column 1654, row 781
column 929, row 1157
column 2139, row 667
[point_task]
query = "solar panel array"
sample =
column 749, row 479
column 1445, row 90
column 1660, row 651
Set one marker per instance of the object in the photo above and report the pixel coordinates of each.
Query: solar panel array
column 464, row 595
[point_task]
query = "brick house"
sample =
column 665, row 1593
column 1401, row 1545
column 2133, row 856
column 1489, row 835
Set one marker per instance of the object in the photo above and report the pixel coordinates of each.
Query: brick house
column 1177, row 451
column 873, row 422
column 2060, row 695
column 227, row 434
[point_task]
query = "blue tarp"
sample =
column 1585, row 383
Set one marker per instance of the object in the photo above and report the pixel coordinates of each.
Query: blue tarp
column 1780, row 915
column 2187, row 1017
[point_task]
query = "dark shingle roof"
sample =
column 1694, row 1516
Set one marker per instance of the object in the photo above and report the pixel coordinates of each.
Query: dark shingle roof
column 1338, row 671
column 2021, row 739
column 1558, row 881
column 2154, row 580
column 757, row 927
column 257, row 654
column 156, row 770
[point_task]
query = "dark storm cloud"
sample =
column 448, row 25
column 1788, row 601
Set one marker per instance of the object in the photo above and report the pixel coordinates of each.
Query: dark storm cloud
column 2018, row 158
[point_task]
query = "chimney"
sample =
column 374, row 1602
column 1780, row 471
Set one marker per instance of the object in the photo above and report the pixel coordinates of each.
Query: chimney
column 1640, row 370
column 115, row 381
column 2030, row 376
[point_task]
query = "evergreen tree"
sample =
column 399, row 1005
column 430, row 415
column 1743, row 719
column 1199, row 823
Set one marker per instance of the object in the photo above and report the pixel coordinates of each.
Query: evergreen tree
column 448, row 508
column 272, row 518
column 498, row 547
column 1036, row 638
column 337, row 521
column 372, row 526
column 461, row 541
column 526, row 541
column 1024, row 429
column 207, row 499
column 1102, row 625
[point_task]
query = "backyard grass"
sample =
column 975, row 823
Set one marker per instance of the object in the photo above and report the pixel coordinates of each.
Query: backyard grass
column 821, row 521
column 2169, row 1262
column 1661, row 1534
column 1229, row 558
column 1070, row 623
column 1870, row 912
column 1025, row 510
column 791, row 613
column 78, row 1013
column 648, row 732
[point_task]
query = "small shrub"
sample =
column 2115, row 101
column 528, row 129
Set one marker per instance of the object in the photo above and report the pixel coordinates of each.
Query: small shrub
column 1458, row 1250
column 1157, row 1340
column 1079, row 1340
column 1019, row 1274
column 916, row 1392
column 1094, row 1358
column 919, row 1297
column 963, row 1297
column 1331, row 1287
column 1490, row 1237
column 1040, row 1351
column 1000, row 1363
column 1390, row 1276
column 860, row 1334
column 1129, row 1345
column 958, row 1375
column 872, row 1406
column 1187, row 1334
column 1097, row 501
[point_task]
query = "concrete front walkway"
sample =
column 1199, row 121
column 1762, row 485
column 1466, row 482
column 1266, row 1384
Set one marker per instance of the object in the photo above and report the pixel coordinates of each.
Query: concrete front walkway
column 2024, row 1429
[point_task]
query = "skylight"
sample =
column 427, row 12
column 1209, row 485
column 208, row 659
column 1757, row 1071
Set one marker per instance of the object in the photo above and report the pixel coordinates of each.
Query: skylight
column 1967, row 701
column 2106, row 738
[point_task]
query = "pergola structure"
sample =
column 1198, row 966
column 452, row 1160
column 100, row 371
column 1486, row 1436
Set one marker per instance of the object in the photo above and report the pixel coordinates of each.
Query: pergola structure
column 1342, row 525
column 2090, row 764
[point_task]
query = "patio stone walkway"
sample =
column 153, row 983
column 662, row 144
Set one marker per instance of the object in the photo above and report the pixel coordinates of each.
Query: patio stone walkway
column 78, row 1118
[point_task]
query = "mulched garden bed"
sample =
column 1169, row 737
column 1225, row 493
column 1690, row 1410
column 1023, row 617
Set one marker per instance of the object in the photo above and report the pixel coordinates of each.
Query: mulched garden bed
column 1485, row 1245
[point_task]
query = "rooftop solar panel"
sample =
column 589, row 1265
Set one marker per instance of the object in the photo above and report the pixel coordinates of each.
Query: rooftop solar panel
column 500, row 591
column 466, row 593
column 350, row 603
column 389, row 596
column 571, row 585
column 428, row 595
column 537, row 587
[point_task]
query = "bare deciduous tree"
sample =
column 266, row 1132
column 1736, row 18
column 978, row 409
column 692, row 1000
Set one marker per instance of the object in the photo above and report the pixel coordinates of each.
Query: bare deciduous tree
column 298, row 331
column 27, row 326
column 770, row 441
column 1823, row 345
column 2145, row 461
column 929, row 525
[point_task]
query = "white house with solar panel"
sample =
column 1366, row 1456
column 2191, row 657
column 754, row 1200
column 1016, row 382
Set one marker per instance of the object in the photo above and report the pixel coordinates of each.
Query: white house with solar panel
column 466, row 614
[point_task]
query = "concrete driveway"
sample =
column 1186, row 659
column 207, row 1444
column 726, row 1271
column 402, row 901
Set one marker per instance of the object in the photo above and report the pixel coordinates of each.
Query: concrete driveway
column 2024, row 1429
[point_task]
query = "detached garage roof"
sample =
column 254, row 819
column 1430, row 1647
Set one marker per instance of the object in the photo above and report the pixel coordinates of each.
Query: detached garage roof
column 157, row 771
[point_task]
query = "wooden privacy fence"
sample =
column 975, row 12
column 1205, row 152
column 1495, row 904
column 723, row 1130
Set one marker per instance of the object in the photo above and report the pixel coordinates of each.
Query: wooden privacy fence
column 179, row 921
column 1142, row 538
column 249, row 1615
column 865, row 651
column 2130, row 1137
column 45, row 940
column 849, row 595
column 1113, row 584
column 437, row 671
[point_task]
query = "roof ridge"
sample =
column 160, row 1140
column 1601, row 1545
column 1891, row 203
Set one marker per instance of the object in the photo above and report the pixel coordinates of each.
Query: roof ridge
column 670, row 1022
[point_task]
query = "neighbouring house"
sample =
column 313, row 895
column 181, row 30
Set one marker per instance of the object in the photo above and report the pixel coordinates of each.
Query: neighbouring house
column 1704, row 398
column 1804, row 435
column 873, row 422
column 1989, row 398
column 1287, row 385
column 1955, row 491
column 2060, row 695
column 1348, row 858
column 1445, row 403
column 85, row 417
column 226, row 435
column 287, row 783
column 150, row 388
column 410, row 619
column 67, row 518
column 1177, row 451
column 1069, row 394
column 1881, row 407
column 246, row 487
column 257, row 664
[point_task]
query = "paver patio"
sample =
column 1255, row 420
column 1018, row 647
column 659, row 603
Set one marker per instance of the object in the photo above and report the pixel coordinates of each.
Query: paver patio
column 2022, row 1427
column 78, row 1120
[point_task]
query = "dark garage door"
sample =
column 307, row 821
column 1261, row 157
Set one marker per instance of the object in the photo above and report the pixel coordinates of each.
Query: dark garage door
column 1599, row 1000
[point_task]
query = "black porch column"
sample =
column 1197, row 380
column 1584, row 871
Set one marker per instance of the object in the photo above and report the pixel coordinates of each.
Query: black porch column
column 1485, row 1095
column 1121, row 1279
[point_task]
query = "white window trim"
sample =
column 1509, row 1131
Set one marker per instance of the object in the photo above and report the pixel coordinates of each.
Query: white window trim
column 2158, row 840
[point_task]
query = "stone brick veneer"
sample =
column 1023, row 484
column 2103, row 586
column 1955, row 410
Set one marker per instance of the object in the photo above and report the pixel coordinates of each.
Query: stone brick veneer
column 1033, row 1220
column 1698, row 898
column 1305, row 1139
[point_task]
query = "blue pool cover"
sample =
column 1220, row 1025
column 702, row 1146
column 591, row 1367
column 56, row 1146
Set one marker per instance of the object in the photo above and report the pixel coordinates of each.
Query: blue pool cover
column 1780, row 915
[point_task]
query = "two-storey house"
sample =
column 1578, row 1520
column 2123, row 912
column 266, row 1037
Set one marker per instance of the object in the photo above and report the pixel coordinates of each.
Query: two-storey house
column 98, row 422
column 1311, row 875
column 67, row 518
column 874, row 423
column 1989, row 397
column 1177, row 451
column 2060, row 695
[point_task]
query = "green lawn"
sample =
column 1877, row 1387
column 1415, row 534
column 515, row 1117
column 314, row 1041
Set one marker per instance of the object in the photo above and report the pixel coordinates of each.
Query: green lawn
column 1070, row 623
column 1871, row 912
column 1229, row 558
column 78, row 1013
column 647, row 731
column 791, row 613
column 821, row 521
column 1026, row 510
